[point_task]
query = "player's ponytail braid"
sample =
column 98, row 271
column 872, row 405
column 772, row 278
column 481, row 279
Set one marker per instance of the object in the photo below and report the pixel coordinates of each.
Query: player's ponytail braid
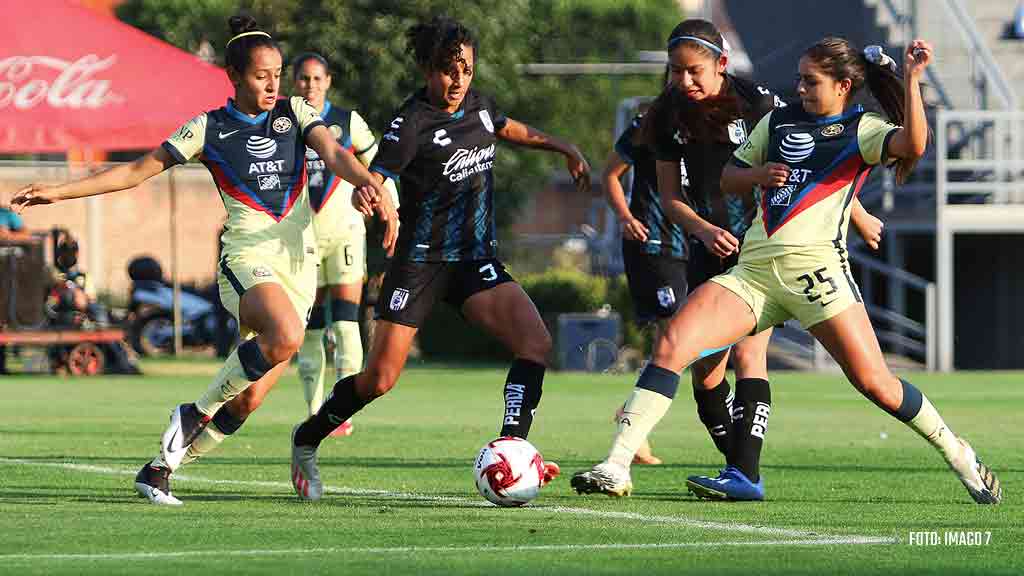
column 437, row 44
column 245, row 36
column 839, row 59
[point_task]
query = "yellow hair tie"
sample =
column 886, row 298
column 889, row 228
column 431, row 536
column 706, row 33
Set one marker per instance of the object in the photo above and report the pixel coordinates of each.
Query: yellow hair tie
column 252, row 33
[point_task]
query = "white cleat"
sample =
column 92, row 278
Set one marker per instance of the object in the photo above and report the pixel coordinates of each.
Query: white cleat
column 187, row 423
column 981, row 483
column 605, row 478
column 154, row 484
column 305, row 475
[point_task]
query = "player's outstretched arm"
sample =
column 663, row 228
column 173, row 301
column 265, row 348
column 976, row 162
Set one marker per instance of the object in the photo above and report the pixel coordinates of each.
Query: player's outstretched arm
column 518, row 133
column 117, row 178
column 615, row 167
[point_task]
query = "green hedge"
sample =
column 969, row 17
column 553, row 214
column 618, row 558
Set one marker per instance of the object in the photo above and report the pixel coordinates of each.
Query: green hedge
column 447, row 336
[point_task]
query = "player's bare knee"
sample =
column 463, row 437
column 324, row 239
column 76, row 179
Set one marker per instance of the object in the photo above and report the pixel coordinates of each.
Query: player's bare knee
column 747, row 359
column 381, row 380
column 285, row 341
column 535, row 346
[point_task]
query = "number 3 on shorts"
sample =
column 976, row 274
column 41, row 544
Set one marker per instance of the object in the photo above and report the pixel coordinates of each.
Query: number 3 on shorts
column 821, row 279
column 488, row 273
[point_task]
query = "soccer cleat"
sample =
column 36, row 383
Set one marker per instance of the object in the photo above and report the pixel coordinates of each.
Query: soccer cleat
column 154, row 484
column 305, row 475
column 731, row 484
column 981, row 483
column 344, row 430
column 605, row 478
column 187, row 423
column 551, row 471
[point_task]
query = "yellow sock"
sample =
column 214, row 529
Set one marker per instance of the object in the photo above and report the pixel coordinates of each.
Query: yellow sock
column 245, row 365
column 312, row 363
column 208, row 440
column 348, row 350
column 642, row 412
column 930, row 425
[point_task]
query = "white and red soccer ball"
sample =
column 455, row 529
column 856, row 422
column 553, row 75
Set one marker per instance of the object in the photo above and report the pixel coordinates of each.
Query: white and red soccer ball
column 509, row 471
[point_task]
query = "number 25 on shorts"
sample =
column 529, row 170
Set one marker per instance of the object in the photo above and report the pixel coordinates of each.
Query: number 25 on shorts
column 818, row 279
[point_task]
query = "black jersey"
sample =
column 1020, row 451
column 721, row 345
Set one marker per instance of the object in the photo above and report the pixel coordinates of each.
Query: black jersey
column 664, row 237
column 704, row 158
column 444, row 162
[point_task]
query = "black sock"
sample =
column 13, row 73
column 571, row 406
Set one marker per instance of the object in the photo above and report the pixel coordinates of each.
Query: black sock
column 227, row 422
column 341, row 405
column 522, row 395
column 750, row 423
column 714, row 410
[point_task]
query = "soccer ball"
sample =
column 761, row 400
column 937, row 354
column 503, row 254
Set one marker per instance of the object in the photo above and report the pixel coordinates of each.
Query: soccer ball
column 509, row 471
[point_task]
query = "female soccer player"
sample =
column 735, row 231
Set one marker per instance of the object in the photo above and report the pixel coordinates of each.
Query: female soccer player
column 341, row 237
column 255, row 149
column 442, row 146
column 810, row 162
column 693, row 128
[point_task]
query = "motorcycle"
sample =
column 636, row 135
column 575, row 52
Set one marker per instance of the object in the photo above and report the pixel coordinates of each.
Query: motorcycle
column 204, row 322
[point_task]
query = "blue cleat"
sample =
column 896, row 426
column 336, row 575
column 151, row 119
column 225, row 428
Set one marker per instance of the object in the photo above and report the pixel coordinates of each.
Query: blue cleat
column 731, row 484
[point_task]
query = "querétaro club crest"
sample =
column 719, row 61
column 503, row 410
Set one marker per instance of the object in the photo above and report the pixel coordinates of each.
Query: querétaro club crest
column 399, row 298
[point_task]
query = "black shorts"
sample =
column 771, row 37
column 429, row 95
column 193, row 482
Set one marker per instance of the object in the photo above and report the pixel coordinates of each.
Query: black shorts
column 704, row 265
column 656, row 283
column 411, row 289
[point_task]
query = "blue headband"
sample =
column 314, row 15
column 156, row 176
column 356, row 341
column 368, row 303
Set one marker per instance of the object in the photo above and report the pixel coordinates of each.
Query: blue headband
column 672, row 42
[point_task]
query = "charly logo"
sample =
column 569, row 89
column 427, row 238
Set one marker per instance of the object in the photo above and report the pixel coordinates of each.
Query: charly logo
column 399, row 298
column 261, row 147
column 797, row 147
column 737, row 131
column 282, row 125
column 464, row 163
column 27, row 81
column 485, row 117
column 832, row 130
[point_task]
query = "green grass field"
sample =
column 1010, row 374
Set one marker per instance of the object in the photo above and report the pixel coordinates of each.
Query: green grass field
column 846, row 484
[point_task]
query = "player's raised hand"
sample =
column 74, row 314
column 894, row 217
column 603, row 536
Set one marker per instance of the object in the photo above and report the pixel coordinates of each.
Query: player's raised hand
column 917, row 57
column 773, row 175
column 31, row 195
column 579, row 169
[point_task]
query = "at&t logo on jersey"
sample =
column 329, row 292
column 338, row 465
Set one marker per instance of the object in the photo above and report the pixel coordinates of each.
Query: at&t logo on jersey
column 260, row 147
column 464, row 163
column 796, row 147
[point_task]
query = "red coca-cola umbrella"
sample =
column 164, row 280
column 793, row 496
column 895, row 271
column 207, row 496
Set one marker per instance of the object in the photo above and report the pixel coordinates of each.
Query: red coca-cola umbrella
column 72, row 78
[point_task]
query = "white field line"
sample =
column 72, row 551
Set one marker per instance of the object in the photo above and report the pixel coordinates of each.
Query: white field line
column 806, row 535
column 440, row 549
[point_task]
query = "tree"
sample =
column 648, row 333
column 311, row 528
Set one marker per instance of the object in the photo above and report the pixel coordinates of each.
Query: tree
column 364, row 42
